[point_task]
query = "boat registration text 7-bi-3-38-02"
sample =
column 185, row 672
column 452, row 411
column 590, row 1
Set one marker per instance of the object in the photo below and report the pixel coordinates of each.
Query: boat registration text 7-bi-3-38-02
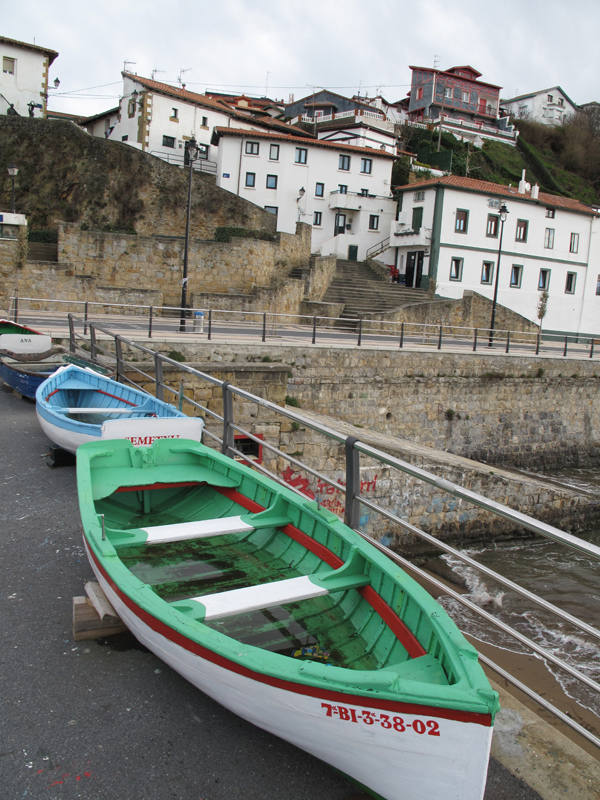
column 392, row 723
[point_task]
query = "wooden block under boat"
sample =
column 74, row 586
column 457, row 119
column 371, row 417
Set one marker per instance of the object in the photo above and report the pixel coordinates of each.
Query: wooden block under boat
column 93, row 616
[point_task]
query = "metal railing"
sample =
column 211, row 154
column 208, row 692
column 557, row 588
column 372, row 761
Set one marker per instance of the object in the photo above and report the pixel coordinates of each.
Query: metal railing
column 112, row 347
column 224, row 324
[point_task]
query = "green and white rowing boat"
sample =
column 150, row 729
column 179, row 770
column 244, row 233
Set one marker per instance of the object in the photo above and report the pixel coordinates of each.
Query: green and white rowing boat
column 283, row 614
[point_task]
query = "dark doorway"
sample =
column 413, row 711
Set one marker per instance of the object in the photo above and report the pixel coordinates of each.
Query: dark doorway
column 353, row 252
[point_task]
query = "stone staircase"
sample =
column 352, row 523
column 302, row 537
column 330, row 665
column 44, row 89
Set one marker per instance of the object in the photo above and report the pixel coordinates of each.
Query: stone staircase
column 362, row 291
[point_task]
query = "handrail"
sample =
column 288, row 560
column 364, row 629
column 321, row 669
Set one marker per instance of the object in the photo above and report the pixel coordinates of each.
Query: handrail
column 378, row 332
column 351, row 487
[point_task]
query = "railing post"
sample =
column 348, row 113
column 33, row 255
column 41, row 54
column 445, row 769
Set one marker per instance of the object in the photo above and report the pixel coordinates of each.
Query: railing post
column 401, row 334
column 359, row 332
column 507, row 341
column 150, row 323
column 85, row 318
column 158, row 376
column 352, row 508
column 264, row 326
column 314, row 331
column 16, row 309
column 71, row 333
column 209, row 334
column 228, row 438
column 565, row 347
column 180, row 396
column 119, row 357
column 592, row 347
column 439, row 347
column 537, row 344
column 475, row 340
column 92, row 342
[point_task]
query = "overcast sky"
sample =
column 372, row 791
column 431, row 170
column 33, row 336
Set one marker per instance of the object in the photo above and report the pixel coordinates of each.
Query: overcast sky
column 284, row 47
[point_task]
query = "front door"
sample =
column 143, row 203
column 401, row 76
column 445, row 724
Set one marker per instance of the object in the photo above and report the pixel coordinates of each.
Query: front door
column 353, row 252
column 410, row 268
column 340, row 224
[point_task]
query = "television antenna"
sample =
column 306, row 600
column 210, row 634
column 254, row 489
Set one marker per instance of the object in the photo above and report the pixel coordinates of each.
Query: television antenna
column 179, row 77
column 125, row 63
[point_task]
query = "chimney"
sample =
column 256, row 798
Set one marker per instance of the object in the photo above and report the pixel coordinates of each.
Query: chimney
column 523, row 184
column 535, row 191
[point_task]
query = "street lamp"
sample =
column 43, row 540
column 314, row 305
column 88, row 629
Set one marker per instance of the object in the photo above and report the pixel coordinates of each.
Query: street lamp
column 13, row 171
column 503, row 214
column 192, row 152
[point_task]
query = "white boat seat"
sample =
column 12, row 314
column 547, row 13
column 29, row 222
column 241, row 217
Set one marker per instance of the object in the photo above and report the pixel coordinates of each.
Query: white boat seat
column 99, row 410
column 178, row 532
column 264, row 595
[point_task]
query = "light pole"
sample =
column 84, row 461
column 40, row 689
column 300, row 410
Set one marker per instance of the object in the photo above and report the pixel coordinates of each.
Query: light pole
column 13, row 171
column 192, row 152
column 503, row 214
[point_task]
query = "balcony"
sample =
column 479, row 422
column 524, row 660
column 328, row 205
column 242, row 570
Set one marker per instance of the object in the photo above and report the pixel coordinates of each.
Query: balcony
column 404, row 235
column 355, row 201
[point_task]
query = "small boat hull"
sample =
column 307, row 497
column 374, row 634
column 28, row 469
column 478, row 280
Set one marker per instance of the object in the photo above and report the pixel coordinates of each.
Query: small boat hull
column 19, row 339
column 26, row 379
column 75, row 405
column 415, row 721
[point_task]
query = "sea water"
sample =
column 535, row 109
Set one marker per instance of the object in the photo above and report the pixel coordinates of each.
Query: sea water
column 567, row 578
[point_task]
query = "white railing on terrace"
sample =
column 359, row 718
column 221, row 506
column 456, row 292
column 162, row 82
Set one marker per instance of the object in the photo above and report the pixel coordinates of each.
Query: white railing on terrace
column 343, row 115
column 100, row 341
column 227, row 325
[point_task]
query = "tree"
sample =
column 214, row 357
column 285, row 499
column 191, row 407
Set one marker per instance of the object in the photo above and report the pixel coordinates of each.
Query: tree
column 542, row 306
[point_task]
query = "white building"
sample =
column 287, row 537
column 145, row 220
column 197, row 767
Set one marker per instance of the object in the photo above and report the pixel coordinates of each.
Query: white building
column 549, row 106
column 159, row 118
column 24, row 78
column 449, row 231
column 342, row 190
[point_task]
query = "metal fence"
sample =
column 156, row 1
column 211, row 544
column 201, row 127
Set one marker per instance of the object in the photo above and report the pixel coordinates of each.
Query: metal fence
column 224, row 324
column 105, row 345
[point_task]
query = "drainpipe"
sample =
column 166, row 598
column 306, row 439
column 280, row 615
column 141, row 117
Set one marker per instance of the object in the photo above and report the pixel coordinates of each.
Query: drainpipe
column 242, row 140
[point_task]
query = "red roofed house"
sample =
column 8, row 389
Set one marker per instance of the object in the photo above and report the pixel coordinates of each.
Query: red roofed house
column 449, row 235
column 462, row 104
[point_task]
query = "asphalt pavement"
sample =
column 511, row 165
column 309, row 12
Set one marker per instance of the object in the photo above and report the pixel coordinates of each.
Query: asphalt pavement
column 105, row 719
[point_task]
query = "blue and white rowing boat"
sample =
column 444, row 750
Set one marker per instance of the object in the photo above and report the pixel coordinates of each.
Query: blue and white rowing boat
column 76, row 405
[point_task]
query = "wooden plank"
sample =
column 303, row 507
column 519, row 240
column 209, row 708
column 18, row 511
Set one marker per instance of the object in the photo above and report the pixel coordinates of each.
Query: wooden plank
column 177, row 532
column 87, row 624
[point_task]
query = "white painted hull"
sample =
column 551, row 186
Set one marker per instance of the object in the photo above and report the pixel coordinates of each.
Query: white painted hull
column 63, row 437
column 397, row 754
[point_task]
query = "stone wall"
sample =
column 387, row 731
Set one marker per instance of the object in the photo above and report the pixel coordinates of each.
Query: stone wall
column 128, row 268
column 525, row 412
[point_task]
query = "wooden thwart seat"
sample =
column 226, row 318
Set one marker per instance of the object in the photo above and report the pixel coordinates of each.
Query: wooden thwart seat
column 178, row 532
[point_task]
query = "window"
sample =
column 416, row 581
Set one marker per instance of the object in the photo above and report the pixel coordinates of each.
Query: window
column 251, row 179
column 9, row 231
column 419, row 93
column 448, row 92
column 487, row 272
column 168, row 141
column 419, row 197
column 456, row 265
column 373, row 222
column 252, row 148
column 550, row 212
column 317, row 218
column 574, row 243
column 570, row 282
column 544, row 279
column 465, row 97
column 125, row 138
column 319, row 189
column 272, row 210
column 492, row 226
column 301, row 155
column 366, row 165
column 174, row 114
column 271, row 181
column 274, row 152
column 131, row 108
column 205, row 122
column 549, row 238
column 550, row 98
column 521, row 233
column 344, row 163
column 598, row 285
column 462, row 220
column 8, row 65
column 417, row 218
column 516, row 276
column 364, row 192
column 342, row 188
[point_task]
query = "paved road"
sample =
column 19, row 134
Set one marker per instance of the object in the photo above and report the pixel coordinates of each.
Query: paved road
column 106, row 720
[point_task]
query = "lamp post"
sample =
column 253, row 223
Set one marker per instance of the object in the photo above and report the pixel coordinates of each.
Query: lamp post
column 192, row 152
column 503, row 214
column 13, row 171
